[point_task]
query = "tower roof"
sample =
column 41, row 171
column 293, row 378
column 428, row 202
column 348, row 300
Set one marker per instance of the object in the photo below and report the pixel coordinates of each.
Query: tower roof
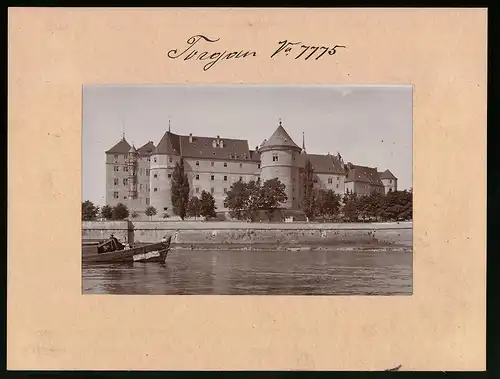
column 169, row 144
column 121, row 147
column 387, row 175
column 280, row 138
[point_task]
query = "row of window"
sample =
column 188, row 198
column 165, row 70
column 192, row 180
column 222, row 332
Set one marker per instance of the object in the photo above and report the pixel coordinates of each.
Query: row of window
column 140, row 171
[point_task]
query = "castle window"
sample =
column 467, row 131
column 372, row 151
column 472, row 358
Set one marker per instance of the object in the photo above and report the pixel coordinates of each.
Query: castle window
column 225, row 178
column 275, row 157
column 338, row 178
column 225, row 164
column 115, row 195
column 115, row 181
column 165, row 208
column 116, row 156
column 155, row 190
column 315, row 180
column 212, row 164
column 390, row 181
column 330, row 180
column 337, row 185
column 197, row 190
column 197, row 163
column 212, row 177
column 155, row 160
column 169, row 176
column 140, row 188
column 147, row 172
column 124, row 197
column 212, row 191
column 155, row 176
column 225, row 190
column 125, row 181
column 116, row 168
column 241, row 165
column 258, row 166
column 241, row 178
column 149, row 159
column 147, row 201
column 125, row 168
column 169, row 159
column 197, row 177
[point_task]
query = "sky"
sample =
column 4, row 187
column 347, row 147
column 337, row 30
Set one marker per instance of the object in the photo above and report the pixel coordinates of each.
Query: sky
column 368, row 125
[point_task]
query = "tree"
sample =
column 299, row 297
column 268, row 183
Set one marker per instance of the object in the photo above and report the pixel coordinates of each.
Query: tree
column 180, row 190
column 107, row 212
column 194, row 207
column 237, row 199
column 350, row 208
column 207, row 205
column 327, row 203
column 308, row 190
column 272, row 195
column 150, row 212
column 134, row 214
column 254, row 200
column 89, row 210
column 120, row 212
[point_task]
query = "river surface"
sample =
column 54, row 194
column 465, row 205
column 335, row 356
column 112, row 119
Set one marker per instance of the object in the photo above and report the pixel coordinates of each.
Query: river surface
column 190, row 272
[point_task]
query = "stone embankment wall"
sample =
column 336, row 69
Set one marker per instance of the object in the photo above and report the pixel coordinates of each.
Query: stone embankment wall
column 239, row 233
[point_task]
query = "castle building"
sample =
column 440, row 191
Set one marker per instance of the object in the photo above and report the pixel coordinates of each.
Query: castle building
column 141, row 177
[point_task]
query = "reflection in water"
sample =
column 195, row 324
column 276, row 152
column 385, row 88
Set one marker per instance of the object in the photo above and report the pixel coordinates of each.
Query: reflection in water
column 257, row 273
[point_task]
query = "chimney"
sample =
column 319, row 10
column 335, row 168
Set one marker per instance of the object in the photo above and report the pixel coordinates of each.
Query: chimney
column 190, row 137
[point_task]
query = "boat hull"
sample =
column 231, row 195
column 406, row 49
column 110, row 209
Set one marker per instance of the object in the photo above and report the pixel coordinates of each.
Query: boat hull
column 156, row 252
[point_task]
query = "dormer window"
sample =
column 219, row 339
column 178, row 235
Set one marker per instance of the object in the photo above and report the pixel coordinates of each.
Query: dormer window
column 197, row 163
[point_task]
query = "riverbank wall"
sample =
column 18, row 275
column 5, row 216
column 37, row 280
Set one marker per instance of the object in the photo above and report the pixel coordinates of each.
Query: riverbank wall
column 208, row 235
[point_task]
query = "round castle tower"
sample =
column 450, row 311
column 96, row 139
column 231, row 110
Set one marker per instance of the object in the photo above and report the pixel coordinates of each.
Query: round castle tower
column 162, row 165
column 280, row 158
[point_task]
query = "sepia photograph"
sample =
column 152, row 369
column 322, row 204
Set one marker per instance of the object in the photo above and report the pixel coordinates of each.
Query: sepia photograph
column 247, row 190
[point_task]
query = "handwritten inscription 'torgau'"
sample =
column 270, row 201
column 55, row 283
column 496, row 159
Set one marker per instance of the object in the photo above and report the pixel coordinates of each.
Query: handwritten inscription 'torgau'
column 213, row 57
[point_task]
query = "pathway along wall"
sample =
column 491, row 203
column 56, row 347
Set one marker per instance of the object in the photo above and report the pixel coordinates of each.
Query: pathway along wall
column 226, row 233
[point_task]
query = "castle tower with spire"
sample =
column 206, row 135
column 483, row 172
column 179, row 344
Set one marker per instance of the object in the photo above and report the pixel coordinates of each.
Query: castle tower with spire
column 280, row 158
column 163, row 160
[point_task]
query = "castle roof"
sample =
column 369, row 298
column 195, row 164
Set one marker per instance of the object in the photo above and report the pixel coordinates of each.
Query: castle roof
column 280, row 138
column 121, row 147
column 132, row 149
column 325, row 164
column 147, row 148
column 363, row 174
column 387, row 175
column 225, row 148
column 169, row 144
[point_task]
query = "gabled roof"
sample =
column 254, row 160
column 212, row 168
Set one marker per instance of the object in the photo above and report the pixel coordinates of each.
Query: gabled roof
column 169, row 144
column 121, row 147
column 254, row 156
column 387, row 175
column 324, row 164
column 147, row 148
column 363, row 174
column 280, row 138
column 225, row 148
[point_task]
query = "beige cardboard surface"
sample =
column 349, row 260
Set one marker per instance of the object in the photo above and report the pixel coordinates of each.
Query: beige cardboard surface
column 51, row 325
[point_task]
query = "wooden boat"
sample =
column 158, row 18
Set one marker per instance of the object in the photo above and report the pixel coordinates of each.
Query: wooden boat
column 111, row 251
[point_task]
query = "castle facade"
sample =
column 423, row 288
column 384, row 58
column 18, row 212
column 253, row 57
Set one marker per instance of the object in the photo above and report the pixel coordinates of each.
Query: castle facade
column 141, row 177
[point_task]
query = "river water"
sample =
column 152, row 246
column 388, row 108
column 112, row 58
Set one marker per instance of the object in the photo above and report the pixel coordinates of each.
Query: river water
column 190, row 272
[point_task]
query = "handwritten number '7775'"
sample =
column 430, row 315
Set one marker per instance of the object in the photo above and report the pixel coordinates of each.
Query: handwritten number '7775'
column 287, row 47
